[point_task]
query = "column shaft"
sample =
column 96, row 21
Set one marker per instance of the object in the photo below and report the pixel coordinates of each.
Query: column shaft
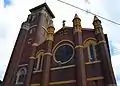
column 46, row 65
column 80, row 66
column 106, row 63
column 30, row 67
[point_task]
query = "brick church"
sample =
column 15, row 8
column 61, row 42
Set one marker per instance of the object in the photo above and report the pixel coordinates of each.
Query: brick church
column 72, row 56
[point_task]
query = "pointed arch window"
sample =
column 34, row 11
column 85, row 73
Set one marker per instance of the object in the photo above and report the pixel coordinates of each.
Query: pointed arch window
column 92, row 52
column 20, row 78
column 39, row 61
column 90, row 44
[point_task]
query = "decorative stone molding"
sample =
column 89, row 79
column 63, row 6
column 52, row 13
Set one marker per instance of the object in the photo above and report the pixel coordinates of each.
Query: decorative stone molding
column 26, row 26
column 112, row 85
column 77, row 24
column 34, row 44
column 50, row 31
column 22, row 65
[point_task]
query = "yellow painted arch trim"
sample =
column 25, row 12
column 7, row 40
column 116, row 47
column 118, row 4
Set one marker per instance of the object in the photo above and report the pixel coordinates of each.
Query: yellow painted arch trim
column 88, row 41
column 40, row 52
column 90, row 38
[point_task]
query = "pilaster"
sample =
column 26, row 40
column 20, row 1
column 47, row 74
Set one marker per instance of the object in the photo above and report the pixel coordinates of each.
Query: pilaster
column 47, row 57
column 30, row 65
column 80, row 66
column 103, row 53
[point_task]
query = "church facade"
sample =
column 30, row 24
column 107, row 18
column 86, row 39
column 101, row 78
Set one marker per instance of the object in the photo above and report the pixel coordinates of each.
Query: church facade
column 72, row 56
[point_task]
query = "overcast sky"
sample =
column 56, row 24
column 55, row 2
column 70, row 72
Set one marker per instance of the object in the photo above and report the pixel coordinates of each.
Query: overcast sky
column 14, row 12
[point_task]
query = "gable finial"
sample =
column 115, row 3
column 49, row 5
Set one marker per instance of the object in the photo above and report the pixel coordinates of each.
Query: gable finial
column 64, row 23
column 76, row 16
column 77, row 24
column 95, row 18
column 96, row 21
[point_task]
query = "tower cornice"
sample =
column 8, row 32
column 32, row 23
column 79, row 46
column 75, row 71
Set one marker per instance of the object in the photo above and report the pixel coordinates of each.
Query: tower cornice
column 42, row 6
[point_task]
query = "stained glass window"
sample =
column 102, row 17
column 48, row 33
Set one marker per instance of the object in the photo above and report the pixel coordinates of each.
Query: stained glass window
column 64, row 53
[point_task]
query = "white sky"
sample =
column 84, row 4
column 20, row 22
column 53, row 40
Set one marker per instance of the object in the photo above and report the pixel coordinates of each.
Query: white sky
column 12, row 17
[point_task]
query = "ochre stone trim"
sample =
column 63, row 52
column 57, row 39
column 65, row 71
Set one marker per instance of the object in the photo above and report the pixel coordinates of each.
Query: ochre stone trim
column 100, row 42
column 35, row 84
column 39, row 52
column 50, row 33
column 63, row 67
column 112, row 85
column 35, row 44
column 32, row 58
column 22, row 65
column 57, row 83
column 90, row 38
column 40, row 55
column 37, row 71
column 90, row 41
column 48, row 54
column 62, row 82
column 93, row 62
column 86, row 42
column 95, row 78
column 79, row 46
column 56, row 68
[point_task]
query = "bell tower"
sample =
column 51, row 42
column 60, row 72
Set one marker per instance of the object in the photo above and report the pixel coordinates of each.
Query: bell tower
column 32, row 33
column 39, row 20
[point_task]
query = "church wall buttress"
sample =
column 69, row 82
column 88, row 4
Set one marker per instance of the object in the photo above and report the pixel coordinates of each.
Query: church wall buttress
column 93, row 67
column 15, row 57
column 104, row 54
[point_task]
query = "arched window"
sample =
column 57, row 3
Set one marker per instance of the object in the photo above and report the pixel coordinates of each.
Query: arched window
column 91, row 52
column 90, row 45
column 39, row 61
column 21, row 76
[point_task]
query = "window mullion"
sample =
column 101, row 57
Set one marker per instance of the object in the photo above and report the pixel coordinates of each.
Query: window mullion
column 38, row 63
column 89, row 56
column 41, row 63
column 94, row 50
